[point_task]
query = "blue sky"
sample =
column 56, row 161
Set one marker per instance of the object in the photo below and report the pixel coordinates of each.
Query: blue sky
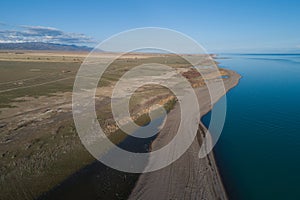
column 219, row 26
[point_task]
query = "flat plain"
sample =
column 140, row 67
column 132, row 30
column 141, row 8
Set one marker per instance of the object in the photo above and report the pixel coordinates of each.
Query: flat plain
column 39, row 146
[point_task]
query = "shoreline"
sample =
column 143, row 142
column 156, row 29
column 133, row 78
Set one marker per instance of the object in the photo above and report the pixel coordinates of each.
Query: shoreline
column 147, row 185
column 188, row 177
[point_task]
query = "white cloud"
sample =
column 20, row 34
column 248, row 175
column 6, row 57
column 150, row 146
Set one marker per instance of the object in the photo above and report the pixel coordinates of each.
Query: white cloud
column 43, row 34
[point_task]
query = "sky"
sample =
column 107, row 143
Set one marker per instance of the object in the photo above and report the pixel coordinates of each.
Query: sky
column 219, row 26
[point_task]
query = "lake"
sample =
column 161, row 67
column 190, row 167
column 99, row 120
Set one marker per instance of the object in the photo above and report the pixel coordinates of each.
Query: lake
column 258, row 151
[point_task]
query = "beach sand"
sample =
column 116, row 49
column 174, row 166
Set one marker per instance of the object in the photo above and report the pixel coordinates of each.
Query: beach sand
column 189, row 177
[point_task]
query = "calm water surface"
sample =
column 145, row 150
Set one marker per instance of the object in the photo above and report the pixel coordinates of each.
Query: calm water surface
column 258, row 152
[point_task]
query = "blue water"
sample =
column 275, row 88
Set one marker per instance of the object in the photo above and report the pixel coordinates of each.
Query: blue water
column 258, row 152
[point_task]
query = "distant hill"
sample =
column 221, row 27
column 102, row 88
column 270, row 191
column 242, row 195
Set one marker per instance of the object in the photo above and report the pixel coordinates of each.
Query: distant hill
column 42, row 46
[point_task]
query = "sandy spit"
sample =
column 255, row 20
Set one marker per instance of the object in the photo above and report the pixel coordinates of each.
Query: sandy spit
column 188, row 177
